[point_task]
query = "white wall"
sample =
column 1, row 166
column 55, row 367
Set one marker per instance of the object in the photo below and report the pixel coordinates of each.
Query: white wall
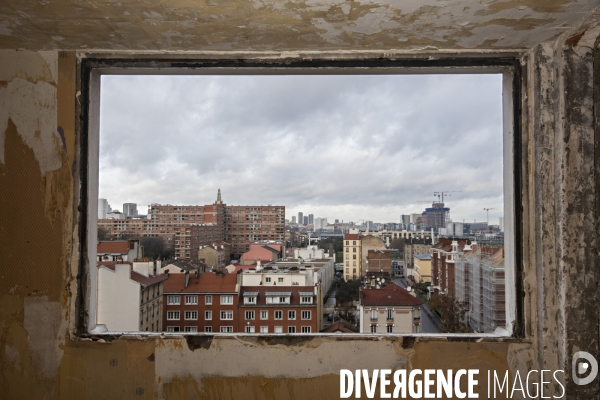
column 118, row 299
column 254, row 279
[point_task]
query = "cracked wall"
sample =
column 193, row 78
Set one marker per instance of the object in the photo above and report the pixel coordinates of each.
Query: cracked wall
column 38, row 242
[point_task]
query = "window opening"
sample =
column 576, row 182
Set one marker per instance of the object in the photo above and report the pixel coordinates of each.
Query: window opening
column 468, row 260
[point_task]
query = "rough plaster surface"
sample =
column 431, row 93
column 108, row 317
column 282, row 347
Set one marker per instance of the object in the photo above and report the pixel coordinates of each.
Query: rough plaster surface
column 285, row 24
column 31, row 88
column 307, row 359
column 42, row 321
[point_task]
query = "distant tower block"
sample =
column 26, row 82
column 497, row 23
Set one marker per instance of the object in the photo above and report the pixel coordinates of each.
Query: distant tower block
column 219, row 201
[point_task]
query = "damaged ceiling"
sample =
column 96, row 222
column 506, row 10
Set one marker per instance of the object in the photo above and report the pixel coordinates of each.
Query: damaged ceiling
column 270, row 25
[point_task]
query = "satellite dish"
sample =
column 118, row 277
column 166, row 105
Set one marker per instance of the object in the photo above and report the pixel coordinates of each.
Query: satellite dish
column 408, row 288
column 383, row 281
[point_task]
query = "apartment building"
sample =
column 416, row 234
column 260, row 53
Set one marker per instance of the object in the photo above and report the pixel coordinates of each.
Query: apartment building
column 189, row 238
column 278, row 309
column 215, row 255
column 240, row 225
column 443, row 257
column 388, row 235
column 379, row 261
column 420, row 270
column 352, row 256
column 200, row 303
column 389, row 309
column 129, row 297
column 480, row 287
column 412, row 247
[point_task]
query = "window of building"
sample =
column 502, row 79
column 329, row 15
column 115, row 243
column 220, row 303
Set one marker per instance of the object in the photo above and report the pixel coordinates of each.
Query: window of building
column 226, row 315
column 291, row 329
column 291, row 314
column 278, row 314
column 280, row 280
column 208, row 299
column 190, row 329
column 226, row 300
column 306, row 299
column 208, row 329
column 268, row 279
column 249, row 329
column 250, row 300
column 190, row 300
column 354, row 242
column 173, row 300
column 172, row 315
column 226, row 329
column 390, row 329
column 508, row 172
column 264, row 329
column 390, row 314
column 249, row 314
column 373, row 315
column 306, row 329
column 172, row 329
column 373, row 328
column 305, row 314
column 207, row 315
column 264, row 314
column 278, row 329
column 191, row 315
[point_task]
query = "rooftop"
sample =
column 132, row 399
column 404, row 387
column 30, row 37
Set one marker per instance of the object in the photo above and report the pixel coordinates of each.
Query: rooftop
column 139, row 278
column 389, row 295
column 114, row 247
column 205, row 283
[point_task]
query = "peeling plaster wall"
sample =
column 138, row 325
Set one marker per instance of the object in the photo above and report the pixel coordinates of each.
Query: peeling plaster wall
column 261, row 25
column 38, row 242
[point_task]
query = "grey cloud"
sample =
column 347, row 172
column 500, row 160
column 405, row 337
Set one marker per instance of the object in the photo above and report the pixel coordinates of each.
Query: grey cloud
column 373, row 144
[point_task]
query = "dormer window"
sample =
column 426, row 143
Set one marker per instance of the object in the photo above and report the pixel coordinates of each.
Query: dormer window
column 306, row 300
column 249, row 298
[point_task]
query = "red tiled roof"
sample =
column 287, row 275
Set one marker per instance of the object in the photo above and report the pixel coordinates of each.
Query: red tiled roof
column 262, row 297
column 205, row 283
column 137, row 277
column 340, row 326
column 351, row 236
column 390, row 295
column 121, row 247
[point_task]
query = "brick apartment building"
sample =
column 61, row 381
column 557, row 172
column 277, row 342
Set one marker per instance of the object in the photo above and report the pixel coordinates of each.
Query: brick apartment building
column 443, row 258
column 189, row 238
column 379, row 261
column 200, row 303
column 239, row 225
column 277, row 309
column 412, row 247
column 215, row 255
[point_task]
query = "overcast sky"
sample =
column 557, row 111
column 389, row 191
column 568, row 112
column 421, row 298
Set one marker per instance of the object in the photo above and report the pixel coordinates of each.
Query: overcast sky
column 361, row 147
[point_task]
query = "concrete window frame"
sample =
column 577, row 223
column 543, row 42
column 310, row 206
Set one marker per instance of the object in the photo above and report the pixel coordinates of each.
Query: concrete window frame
column 91, row 66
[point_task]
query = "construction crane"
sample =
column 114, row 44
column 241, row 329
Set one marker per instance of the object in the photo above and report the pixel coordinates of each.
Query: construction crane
column 488, row 215
column 444, row 193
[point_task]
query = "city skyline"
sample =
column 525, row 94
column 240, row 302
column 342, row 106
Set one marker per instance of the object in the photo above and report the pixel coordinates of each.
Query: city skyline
column 343, row 147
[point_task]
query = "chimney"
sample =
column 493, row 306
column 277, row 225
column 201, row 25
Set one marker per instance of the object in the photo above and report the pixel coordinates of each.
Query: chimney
column 158, row 266
column 187, row 278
